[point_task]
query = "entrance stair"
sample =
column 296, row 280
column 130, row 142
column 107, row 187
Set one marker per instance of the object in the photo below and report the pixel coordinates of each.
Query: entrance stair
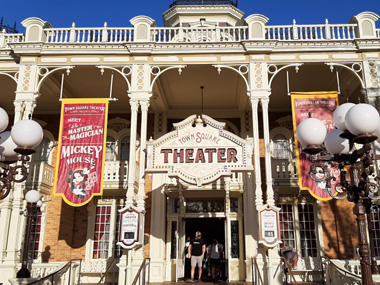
column 226, row 283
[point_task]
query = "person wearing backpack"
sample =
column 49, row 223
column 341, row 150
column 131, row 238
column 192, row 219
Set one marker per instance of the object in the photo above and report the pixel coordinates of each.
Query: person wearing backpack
column 215, row 252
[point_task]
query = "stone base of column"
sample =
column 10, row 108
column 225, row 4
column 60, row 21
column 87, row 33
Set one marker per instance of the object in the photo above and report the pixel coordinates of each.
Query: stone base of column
column 7, row 271
column 157, row 271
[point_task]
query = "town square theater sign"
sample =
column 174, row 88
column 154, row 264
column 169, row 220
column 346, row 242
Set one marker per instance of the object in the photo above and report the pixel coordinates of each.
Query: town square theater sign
column 199, row 151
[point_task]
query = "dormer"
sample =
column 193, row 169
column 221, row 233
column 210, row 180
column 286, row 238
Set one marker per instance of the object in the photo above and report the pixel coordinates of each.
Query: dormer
column 203, row 13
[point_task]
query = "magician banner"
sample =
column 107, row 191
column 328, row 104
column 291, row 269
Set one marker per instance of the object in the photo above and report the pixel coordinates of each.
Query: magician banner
column 81, row 150
column 319, row 105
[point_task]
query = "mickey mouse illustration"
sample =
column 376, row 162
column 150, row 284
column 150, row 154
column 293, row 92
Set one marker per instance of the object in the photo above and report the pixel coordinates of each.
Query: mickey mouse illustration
column 77, row 182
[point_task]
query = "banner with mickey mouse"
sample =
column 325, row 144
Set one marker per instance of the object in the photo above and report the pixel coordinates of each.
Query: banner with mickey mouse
column 81, row 150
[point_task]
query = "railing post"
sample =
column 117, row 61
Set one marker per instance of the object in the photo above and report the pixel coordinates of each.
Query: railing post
column 72, row 33
column 327, row 30
column 35, row 29
column 366, row 25
column 256, row 26
column 2, row 38
column 180, row 34
column 105, row 33
column 295, row 30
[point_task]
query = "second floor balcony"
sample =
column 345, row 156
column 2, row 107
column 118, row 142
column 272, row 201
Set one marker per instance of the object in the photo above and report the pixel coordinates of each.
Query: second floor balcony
column 362, row 26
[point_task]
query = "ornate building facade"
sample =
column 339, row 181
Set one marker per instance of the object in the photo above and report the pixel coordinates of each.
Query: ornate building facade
column 209, row 59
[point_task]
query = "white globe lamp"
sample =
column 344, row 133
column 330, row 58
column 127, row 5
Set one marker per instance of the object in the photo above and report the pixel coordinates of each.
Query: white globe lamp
column 7, row 145
column 311, row 133
column 4, row 120
column 340, row 115
column 362, row 120
column 27, row 134
column 336, row 144
column 32, row 196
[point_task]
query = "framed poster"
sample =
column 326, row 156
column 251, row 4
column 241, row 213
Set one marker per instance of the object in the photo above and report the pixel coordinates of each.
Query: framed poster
column 131, row 228
column 269, row 225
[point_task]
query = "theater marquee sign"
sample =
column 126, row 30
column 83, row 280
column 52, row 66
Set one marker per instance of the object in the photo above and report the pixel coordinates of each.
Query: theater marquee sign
column 199, row 152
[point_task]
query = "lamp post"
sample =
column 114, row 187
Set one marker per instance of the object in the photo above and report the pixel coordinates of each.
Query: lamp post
column 357, row 124
column 16, row 147
column 32, row 197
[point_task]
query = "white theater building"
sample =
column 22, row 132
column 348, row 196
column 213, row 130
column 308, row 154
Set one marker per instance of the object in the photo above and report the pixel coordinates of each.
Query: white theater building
column 200, row 137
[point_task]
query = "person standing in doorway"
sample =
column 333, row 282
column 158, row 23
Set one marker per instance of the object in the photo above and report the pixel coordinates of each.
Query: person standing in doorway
column 215, row 251
column 187, row 259
column 197, row 250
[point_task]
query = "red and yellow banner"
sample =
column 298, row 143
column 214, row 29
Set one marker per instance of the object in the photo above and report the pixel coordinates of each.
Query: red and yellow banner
column 81, row 150
column 319, row 105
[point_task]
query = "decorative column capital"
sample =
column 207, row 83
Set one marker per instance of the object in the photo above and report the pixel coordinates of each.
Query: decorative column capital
column 134, row 105
column 254, row 102
column 264, row 102
column 144, row 105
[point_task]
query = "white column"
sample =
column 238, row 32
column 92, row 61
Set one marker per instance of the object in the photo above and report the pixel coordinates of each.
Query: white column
column 17, row 222
column 268, row 160
column 250, row 225
column 157, row 230
column 144, row 120
column 6, row 210
column 256, row 148
column 132, row 153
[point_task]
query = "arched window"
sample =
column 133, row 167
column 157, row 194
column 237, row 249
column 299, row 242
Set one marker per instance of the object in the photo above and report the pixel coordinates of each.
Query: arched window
column 281, row 148
column 110, row 149
column 42, row 151
column 124, row 148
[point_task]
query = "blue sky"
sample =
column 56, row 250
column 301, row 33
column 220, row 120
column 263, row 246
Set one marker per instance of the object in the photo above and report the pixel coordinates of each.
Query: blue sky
column 117, row 13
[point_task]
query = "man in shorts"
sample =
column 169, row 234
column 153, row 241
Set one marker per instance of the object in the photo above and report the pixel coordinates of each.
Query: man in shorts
column 290, row 255
column 197, row 250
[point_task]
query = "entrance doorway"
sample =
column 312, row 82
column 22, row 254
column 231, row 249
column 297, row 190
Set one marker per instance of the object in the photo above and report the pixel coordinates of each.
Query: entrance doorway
column 211, row 228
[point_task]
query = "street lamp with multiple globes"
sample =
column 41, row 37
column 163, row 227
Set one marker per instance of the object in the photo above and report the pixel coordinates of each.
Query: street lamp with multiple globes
column 357, row 124
column 16, row 147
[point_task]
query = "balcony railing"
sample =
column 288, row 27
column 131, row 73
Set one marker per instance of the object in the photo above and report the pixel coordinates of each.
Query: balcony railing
column 199, row 34
column 311, row 32
column 284, row 171
column 106, row 35
column 41, row 174
column 11, row 38
column 115, row 174
column 89, row 35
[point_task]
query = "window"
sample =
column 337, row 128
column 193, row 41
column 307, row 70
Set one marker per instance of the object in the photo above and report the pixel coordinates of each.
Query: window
column 235, row 239
column 306, row 242
column 234, row 205
column 42, row 151
column 375, row 227
column 197, row 206
column 124, row 148
column 118, row 251
column 110, row 149
column 102, row 232
column 281, row 148
column 287, row 225
column 35, row 235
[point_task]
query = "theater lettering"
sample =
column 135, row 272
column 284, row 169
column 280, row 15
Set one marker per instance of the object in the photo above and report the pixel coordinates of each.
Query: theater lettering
column 200, row 155
column 199, row 152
